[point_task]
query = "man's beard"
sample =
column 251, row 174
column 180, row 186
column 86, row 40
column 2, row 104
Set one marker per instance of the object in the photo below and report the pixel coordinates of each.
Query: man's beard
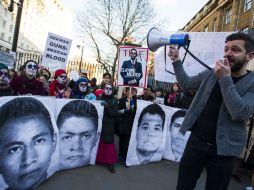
column 238, row 65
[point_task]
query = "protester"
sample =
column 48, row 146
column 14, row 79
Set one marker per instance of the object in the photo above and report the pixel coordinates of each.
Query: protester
column 82, row 91
column 27, row 142
column 106, row 78
column 107, row 152
column 127, row 110
column 159, row 96
column 44, row 79
column 78, row 124
column 27, row 84
column 5, row 89
column 12, row 73
column 187, row 98
column 150, row 132
column 173, row 98
column 93, row 85
column 147, row 94
column 58, row 87
column 217, row 115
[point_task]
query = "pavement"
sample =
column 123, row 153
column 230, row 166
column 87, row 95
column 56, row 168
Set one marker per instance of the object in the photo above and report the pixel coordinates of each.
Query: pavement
column 153, row 176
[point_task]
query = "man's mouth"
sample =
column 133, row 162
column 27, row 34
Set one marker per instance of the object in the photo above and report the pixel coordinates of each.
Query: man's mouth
column 30, row 174
column 75, row 157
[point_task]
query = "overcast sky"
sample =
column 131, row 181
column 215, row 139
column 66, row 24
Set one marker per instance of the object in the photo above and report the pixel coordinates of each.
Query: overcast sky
column 177, row 12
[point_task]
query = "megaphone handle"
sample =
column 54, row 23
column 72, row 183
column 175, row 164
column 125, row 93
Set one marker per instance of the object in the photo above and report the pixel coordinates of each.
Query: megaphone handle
column 198, row 60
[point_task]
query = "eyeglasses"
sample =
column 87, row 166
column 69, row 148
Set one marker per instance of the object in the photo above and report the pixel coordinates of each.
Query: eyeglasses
column 63, row 76
column 30, row 66
column 108, row 88
column 6, row 74
column 82, row 84
column 132, row 53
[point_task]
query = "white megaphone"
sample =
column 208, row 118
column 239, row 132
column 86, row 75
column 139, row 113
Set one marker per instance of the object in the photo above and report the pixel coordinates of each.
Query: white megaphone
column 156, row 39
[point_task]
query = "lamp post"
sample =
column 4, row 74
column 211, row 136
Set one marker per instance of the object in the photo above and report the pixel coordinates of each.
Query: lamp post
column 81, row 57
column 17, row 25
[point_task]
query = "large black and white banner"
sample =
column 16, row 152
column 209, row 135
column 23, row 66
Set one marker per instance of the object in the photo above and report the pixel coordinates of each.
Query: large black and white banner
column 42, row 135
column 155, row 134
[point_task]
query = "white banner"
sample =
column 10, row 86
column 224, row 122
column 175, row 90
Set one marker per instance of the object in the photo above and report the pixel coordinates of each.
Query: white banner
column 42, row 135
column 206, row 46
column 56, row 52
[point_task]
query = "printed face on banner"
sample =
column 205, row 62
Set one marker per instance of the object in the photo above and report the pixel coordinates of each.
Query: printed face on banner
column 132, row 66
column 176, row 141
column 148, row 134
column 27, row 142
column 78, row 124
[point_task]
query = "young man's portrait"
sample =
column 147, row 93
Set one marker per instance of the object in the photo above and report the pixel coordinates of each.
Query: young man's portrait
column 27, row 142
column 149, row 132
column 77, row 123
column 176, row 141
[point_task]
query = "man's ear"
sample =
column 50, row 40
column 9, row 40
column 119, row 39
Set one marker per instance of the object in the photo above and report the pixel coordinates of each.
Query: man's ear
column 250, row 56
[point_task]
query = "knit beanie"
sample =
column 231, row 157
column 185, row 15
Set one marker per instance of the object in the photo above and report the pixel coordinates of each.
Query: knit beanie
column 59, row 72
column 98, row 92
column 82, row 80
column 3, row 66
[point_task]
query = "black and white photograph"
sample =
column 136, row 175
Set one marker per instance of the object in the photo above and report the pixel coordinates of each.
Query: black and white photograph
column 79, row 124
column 176, row 141
column 132, row 66
column 28, row 142
column 148, row 135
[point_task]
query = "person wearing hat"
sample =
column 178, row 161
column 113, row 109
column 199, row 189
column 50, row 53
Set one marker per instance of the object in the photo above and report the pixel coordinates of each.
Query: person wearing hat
column 5, row 89
column 27, row 84
column 82, row 91
column 58, row 87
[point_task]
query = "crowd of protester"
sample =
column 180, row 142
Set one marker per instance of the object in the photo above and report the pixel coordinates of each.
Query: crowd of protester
column 33, row 80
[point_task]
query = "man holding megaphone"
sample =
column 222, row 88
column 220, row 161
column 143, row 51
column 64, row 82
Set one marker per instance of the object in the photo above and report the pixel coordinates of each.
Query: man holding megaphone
column 216, row 117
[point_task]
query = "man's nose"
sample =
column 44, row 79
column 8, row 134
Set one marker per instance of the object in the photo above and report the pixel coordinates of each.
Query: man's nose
column 76, row 143
column 29, row 156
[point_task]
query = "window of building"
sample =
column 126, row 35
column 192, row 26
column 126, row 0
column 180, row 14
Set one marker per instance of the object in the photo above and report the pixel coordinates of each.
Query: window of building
column 11, row 28
column 214, row 25
column 4, row 24
column 2, row 36
column 206, row 28
column 228, row 15
column 247, row 5
column 245, row 30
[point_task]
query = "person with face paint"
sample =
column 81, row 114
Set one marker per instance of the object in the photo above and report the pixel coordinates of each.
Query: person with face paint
column 107, row 152
column 150, row 132
column 58, row 87
column 131, row 70
column 5, row 89
column 27, row 84
column 82, row 91
column 217, row 114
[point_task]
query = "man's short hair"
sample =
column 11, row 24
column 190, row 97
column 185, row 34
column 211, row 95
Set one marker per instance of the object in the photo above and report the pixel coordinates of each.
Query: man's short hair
column 152, row 109
column 106, row 74
column 78, row 108
column 249, row 41
column 22, row 107
column 179, row 113
column 133, row 49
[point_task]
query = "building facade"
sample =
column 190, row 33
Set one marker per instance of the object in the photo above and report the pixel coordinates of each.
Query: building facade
column 38, row 18
column 223, row 16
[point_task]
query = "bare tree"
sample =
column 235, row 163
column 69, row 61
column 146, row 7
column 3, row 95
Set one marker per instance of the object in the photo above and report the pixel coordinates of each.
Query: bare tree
column 111, row 23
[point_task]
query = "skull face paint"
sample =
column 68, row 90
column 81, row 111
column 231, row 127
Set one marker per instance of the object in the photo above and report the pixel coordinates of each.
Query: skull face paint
column 82, row 86
column 108, row 90
column 31, row 69
column 4, row 77
column 61, row 79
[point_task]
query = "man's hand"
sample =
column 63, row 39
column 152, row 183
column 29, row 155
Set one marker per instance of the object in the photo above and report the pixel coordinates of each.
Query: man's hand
column 173, row 53
column 222, row 69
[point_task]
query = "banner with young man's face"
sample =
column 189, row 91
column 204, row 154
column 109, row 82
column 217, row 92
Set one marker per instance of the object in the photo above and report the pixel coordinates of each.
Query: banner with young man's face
column 155, row 134
column 41, row 135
